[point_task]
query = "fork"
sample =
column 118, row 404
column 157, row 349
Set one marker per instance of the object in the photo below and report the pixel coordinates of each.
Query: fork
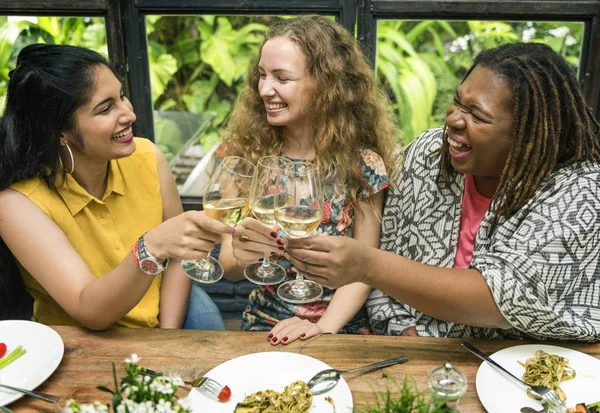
column 554, row 402
column 206, row 384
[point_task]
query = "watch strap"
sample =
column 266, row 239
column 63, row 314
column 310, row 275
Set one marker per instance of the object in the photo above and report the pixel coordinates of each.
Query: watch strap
column 145, row 260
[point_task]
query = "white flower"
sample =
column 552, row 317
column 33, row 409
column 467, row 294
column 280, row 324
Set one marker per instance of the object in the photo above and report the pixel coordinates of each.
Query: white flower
column 177, row 381
column 570, row 40
column 156, row 394
column 133, row 360
column 528, row 34
column 561, row 31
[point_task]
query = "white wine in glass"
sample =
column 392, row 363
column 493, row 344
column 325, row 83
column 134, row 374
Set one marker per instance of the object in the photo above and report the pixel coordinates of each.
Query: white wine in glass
column 262, row 204
column 228, row 211
column 299, row 211
column 226, row 199
column 299, row 220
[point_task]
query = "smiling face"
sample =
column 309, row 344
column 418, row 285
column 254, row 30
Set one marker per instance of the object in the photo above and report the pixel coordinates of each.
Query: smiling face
column 480, row 126
column 285, row 85
column 103, row 124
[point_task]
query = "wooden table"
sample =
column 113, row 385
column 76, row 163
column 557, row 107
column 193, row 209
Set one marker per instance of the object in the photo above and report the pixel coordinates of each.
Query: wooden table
column 88, row 357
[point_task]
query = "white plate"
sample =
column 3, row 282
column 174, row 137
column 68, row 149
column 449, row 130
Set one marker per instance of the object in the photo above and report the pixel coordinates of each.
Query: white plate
column 500, row 394
column 44, row 348
column 269, row 371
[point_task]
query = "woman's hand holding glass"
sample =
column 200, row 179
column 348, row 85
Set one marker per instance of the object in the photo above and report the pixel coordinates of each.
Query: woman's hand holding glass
column 190, row 235
column 262, row 205
column 258, row 240
column 299, row 211
column 225, row 200
column 333, row 261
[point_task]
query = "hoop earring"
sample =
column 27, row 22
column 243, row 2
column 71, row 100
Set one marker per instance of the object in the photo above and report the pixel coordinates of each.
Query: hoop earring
column 72, row 159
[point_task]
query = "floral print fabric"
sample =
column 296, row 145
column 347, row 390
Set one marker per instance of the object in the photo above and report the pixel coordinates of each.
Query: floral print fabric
column 265, row 308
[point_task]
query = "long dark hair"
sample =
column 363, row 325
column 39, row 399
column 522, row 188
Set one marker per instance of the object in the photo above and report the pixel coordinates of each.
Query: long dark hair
column 552, row 124
column 49, row 83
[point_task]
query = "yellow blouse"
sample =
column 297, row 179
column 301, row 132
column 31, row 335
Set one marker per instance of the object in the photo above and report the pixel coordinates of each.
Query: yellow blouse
column 102, row 231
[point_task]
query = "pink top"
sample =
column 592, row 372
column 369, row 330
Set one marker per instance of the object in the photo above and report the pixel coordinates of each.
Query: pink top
column 474, row 207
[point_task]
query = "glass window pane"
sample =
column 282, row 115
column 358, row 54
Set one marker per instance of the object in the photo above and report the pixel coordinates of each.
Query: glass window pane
column 420, row 63
column 17, row 32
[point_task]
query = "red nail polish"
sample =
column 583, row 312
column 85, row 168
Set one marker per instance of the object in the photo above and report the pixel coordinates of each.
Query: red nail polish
column 272, row 254
column 303, row 335
column 274, row 234
column 282, row 249
column 279, row 242
column 270, row 335
column 284, row 339
column 274, row 339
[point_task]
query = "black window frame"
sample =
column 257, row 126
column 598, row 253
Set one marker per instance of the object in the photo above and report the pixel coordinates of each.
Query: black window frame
column 128, row 44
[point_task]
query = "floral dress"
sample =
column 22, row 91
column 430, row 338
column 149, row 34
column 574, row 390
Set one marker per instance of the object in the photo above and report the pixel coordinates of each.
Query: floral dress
column 265, row 308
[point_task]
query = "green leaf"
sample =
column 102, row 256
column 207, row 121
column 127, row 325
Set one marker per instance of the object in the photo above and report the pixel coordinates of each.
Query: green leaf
column 162, row 68
column 419, row 29
column 221, row 107
column 151, row 22
column 104, row 389
column 387, row 34
column 52, row 26
column 215, row 51
column 385, row 52
column 201, row 91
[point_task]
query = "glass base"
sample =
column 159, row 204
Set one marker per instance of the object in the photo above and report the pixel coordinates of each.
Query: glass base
column 206, row 271
column 300, row 292
column 269, row 275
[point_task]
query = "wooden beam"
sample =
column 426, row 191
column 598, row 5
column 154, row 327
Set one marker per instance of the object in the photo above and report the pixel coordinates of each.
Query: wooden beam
column 53, row 8
column 485, row 9
column 240, row 6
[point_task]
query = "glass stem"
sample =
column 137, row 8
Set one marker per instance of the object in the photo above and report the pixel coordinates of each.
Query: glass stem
column 266, row 261
column 204, row 264
column 299, row 288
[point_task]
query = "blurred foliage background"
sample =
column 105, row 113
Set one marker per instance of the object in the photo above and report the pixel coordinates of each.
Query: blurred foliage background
column 198, row 63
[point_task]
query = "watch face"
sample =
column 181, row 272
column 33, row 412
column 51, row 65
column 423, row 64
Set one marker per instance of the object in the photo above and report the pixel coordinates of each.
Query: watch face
column 149, row 267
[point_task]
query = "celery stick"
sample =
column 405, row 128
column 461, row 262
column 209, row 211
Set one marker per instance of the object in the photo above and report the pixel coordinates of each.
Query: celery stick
column 15, row 354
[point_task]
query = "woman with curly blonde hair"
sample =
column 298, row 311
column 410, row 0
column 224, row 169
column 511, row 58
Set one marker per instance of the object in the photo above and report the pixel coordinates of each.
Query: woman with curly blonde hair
column 311, row 96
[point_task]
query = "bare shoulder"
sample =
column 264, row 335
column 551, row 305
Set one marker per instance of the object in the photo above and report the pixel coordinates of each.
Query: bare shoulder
column 10, row 198
column 16, row 207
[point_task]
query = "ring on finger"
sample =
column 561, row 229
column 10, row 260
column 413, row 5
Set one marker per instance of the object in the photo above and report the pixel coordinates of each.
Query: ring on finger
column 244, row 238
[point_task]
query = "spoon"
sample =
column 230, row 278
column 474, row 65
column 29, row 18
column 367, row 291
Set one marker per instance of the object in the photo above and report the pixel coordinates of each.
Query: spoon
column 325, row 380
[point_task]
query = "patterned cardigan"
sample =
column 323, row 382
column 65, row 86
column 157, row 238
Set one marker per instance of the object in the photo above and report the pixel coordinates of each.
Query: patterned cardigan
column 542, row 265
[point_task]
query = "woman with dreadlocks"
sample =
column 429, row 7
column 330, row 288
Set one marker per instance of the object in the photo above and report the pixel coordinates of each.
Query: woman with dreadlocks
column 493, row 227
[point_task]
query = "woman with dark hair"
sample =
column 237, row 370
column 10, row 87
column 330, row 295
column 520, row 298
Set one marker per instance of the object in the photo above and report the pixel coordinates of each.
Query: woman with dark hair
column 91, row 214
column 493, row 229
column 311, row 96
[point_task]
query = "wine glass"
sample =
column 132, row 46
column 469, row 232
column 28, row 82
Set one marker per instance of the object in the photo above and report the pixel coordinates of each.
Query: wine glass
column 299, row 211
column 262, row 204
column 225, row 199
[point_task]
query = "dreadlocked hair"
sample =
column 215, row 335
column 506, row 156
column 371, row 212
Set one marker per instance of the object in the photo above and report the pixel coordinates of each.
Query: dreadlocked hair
column 348, row 112
column 552, row 125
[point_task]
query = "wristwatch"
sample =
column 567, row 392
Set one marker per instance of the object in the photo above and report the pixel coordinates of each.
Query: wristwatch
column 145, row 260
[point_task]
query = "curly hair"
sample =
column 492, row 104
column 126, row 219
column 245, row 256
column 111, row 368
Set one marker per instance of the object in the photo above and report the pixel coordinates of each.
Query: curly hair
column 348, row 112
column 552, row 125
